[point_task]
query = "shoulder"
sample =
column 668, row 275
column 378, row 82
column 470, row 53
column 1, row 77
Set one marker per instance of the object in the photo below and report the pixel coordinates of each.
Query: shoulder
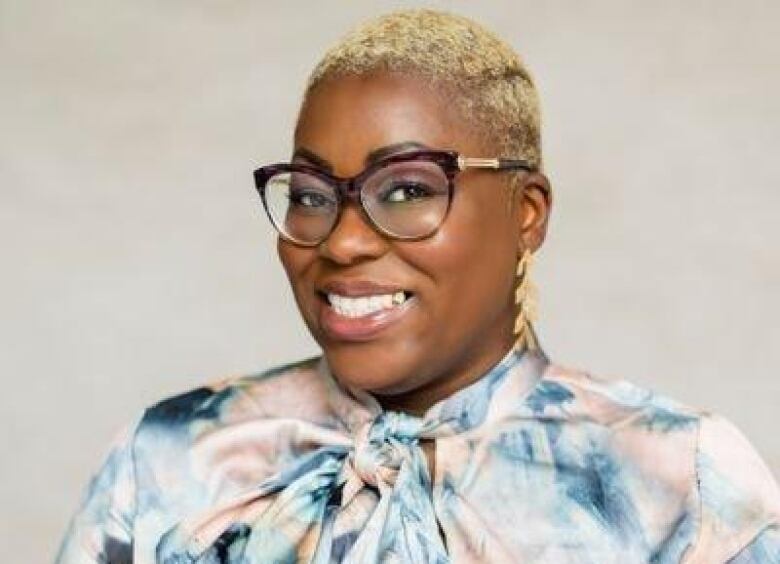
column 622, row 407
column 153, row 463
column 256, row 394
column 224, row 427
column 647, row 440
column 738, row 496
column 618, row 403
column 728, row 464
column 720, row 480
column 179, row 436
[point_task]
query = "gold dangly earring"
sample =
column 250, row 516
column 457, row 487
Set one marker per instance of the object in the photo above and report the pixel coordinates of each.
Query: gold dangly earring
column 525, row 302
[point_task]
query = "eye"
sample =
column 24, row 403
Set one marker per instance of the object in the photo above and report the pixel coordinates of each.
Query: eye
column 407, row 191
column 302, row 197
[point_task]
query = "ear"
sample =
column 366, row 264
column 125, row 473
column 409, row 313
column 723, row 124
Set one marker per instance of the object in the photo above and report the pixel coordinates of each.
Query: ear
column 534, row 199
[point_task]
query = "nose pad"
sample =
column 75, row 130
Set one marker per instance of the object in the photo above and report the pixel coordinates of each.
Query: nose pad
column 353, row 237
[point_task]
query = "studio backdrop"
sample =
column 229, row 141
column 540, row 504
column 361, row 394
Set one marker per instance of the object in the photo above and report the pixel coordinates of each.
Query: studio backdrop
column 137, row 263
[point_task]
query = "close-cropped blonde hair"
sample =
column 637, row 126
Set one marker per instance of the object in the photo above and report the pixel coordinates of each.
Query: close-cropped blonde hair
column 491, row 86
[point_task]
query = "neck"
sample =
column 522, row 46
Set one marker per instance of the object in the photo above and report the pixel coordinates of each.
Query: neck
column 419, row 400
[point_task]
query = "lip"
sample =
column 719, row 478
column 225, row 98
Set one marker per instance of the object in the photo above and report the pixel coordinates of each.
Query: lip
column 366, row 327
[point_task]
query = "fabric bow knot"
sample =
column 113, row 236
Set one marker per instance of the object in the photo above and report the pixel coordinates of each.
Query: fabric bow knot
column 274, row 522
column 360, row 493
column 382, row 445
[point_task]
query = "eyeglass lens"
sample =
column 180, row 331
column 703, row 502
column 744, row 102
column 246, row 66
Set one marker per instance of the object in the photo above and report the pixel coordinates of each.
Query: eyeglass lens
column 406, row 199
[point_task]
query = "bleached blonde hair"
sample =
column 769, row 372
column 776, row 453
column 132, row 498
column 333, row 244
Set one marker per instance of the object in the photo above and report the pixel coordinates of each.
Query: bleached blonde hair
column 491, row 85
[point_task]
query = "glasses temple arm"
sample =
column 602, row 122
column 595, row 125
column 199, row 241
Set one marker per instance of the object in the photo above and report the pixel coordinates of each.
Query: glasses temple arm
column 497, row 163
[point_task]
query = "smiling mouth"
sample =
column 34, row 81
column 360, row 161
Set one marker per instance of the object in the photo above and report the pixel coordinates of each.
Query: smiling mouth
column 363, row 317
column 362, row 306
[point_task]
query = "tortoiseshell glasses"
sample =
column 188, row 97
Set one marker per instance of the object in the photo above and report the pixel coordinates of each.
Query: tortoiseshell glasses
column 404, row 196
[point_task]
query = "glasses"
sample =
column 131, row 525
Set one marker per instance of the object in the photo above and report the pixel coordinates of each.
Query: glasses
column 405, row 196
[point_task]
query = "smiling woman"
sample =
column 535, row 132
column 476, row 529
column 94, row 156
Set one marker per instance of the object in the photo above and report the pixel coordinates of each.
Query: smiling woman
column 433, row 428
column 428, row 347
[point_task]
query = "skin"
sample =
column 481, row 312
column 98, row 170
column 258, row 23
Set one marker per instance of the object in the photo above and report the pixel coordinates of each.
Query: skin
column 462, row 276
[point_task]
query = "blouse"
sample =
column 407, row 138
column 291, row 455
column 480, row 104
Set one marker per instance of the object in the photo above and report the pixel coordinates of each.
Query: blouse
column 534, row 462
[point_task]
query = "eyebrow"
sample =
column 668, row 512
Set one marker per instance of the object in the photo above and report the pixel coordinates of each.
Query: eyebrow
column 312, row 157
column 395, row 148
column 372, row 157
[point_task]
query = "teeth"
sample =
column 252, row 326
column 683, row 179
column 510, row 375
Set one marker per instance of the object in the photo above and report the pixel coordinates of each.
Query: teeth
column 365, row 305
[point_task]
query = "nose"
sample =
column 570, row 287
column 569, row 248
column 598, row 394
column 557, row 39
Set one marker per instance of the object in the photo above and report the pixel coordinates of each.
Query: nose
column 353, row 238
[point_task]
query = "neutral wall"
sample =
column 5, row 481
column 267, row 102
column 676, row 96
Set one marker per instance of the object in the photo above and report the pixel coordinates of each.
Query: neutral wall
column 136, row 261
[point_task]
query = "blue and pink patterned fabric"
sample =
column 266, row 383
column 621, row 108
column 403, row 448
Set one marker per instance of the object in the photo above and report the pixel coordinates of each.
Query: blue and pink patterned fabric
column 534, row 463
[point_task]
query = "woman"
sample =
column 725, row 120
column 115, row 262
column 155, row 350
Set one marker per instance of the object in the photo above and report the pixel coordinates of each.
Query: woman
column 433, row 428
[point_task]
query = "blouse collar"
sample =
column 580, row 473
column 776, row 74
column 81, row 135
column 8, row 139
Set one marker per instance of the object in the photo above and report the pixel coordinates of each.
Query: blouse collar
column 467, row 408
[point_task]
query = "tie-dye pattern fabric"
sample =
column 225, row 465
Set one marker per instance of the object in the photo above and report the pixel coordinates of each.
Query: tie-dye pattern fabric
column 534, row 463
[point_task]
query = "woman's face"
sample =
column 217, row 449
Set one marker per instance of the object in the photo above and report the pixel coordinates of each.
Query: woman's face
column 458, row 315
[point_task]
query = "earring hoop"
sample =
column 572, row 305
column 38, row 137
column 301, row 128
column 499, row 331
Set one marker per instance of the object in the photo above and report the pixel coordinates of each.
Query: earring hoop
column 526, row 305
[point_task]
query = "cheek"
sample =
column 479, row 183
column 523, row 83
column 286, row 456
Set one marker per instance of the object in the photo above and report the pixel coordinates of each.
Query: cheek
column 470, row 260
column 296, row 262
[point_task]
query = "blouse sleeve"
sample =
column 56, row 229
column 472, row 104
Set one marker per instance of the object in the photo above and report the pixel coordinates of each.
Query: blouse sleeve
column 102, row 528
column 765, row 548
column 739, row 500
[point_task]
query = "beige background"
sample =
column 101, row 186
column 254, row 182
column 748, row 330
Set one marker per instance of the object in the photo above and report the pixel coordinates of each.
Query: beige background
column 136, row 261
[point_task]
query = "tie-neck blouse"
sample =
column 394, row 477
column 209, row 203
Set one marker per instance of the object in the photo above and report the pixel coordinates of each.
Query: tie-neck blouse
column 534, row 463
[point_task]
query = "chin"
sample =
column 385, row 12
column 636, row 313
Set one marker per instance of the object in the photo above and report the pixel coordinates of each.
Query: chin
column 364, row 367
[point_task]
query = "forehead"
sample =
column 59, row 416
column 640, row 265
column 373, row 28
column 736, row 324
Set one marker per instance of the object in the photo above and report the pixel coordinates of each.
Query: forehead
column 345, row 119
